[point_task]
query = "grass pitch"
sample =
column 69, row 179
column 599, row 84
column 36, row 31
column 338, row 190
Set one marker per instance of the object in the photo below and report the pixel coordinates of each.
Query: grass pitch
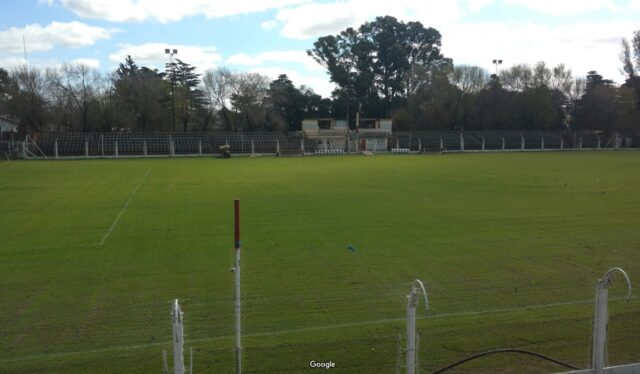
column 510, row 247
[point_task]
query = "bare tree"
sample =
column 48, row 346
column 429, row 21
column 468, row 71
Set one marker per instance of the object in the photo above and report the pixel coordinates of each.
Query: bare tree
column 517, row 78
column 74, row 90
column 249, row 93
column 27, row 99
column 469, row 79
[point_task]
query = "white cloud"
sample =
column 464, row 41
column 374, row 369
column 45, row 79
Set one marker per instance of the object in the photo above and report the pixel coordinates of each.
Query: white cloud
column 316, row 19
column 168, row 10
column 581, row 47
column 475, row 5
column 565, row 7
column 269, row 25
column 90, row 62
column 298, row 57
column 634, row 4
column 56, row 34
column 319, row 84
column 152, row 55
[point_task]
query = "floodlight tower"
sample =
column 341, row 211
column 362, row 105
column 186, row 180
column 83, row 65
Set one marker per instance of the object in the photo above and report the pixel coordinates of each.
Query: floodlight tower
column 412, row 302
column 171, row 53
column 600, row 319
column 496, row 63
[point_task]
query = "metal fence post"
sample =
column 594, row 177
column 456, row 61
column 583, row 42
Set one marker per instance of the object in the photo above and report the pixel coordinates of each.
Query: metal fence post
column 55, row 148
column 116, row 149
column 503, row 142
column 542, row 143
column 86, row 149
column 461, row 141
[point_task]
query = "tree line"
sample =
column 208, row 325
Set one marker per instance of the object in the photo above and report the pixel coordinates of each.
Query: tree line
column 384, row 68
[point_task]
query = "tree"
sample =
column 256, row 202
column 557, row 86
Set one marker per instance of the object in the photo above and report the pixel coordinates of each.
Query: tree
column 188, row 96
column 605, row 107
column 630, row 58
column 218, row 87
column 469, row 79
column 27, row 100
column 380, row 63
column 143, row 96
column 249, row 93
column 74, row 93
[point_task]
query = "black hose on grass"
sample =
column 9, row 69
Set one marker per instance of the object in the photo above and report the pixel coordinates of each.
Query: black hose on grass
column 505, row 350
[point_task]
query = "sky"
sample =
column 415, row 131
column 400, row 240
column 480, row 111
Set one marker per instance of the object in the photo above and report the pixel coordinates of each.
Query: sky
column 271, row 36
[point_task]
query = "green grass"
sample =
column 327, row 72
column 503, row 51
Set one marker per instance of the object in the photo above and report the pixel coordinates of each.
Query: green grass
column 509, row 245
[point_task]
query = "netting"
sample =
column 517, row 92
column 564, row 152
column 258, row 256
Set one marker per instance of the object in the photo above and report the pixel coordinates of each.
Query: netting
column 87, row 145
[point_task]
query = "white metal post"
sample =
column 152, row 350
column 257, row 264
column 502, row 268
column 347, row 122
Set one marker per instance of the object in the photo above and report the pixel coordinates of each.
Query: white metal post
column 86, row 149
column 302, row 145
column 561, row 143
column 278, row 146
column 419, row 145
column 598, row 141
column 503, row 143
column 116, row 149
column 55, row 148
column 600, row 319
column 178, row 338
column 521, row 141
column 580, row 142
column 461, row 142
column 200, row 147
column 542, row 144
column 101, row 145
column 412, row 301
column 144, row 148
column 441, row 143
column 483, row 143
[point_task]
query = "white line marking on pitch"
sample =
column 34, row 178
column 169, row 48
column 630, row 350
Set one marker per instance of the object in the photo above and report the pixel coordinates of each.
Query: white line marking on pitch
column 115, row 221
column 303, row 329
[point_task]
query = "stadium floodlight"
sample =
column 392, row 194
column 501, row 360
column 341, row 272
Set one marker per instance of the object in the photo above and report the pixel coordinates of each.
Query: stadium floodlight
column 413, row 297
column 600, row 319
column 496, row 63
